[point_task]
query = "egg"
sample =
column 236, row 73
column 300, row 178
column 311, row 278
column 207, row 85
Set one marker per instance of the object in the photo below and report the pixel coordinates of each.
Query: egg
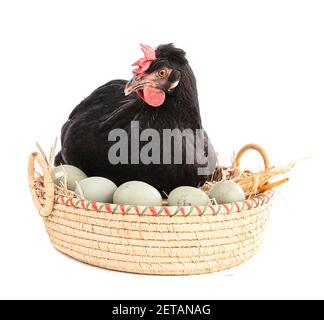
column 137, row 193
column 188, row 196
column 97, row 189
column 226, row 191
column 72, row 174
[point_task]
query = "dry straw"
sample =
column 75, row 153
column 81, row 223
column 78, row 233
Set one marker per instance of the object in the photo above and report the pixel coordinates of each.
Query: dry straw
column 153, row 240
column 251, row 182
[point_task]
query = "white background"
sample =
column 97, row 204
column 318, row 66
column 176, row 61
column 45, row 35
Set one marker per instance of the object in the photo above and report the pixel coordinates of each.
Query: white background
column 260, row 72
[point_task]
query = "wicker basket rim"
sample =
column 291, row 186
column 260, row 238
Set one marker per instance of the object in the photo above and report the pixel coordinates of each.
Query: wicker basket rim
column 232, row 207
column 52, row 196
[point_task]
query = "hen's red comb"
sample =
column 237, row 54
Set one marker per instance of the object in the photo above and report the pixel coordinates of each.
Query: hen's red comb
column 144, row 63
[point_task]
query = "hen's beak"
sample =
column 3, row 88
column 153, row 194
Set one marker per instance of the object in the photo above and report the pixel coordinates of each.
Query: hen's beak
column 136, row 83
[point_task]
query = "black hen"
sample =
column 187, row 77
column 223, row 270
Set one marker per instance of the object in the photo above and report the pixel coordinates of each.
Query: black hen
column 161, row 95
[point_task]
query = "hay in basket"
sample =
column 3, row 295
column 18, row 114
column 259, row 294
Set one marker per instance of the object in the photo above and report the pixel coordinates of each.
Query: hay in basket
column 164, row 240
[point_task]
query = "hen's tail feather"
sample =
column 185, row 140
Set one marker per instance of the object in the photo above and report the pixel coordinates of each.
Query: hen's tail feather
column 58, row 159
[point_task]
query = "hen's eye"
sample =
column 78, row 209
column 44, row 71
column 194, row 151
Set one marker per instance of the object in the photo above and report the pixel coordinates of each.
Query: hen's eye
column 162, row 73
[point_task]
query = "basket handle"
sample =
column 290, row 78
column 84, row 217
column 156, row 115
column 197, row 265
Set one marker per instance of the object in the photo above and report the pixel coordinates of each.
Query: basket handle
column 44, row 210
column 256, row 147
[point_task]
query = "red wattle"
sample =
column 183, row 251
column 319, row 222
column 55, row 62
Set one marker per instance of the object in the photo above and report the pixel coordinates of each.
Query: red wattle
column 153, row 96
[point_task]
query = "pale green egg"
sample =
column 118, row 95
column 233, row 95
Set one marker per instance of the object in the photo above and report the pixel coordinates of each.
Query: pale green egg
column 71, row 173
column 97, row 189
column 137, row 193
column 188, row 196
column 226, row 192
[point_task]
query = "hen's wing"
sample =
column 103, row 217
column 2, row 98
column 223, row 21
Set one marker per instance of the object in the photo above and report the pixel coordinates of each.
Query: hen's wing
column 84, row 120
column 108, row 95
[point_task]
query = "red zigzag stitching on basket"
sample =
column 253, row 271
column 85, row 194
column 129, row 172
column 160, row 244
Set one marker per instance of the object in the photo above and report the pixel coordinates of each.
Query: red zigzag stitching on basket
column 183, row 211
column 237, row 207
column 247, row 202
column 153, row 211
column 122, row 208
column 94, row 205
column 137, row 210
column 72, row 203
column 226, row 208
column 211, row 207
column 257, row 201
column 198, row 210
column 108, row 208
column 166, row 210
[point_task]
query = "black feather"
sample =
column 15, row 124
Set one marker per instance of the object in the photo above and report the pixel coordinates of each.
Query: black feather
column 84, row 136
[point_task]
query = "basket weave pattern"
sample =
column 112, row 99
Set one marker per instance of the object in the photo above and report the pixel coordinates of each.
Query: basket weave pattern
column 150, row 240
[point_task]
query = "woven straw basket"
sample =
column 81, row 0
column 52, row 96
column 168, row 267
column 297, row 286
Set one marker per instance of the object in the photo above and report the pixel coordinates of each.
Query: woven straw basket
column 150, row 240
